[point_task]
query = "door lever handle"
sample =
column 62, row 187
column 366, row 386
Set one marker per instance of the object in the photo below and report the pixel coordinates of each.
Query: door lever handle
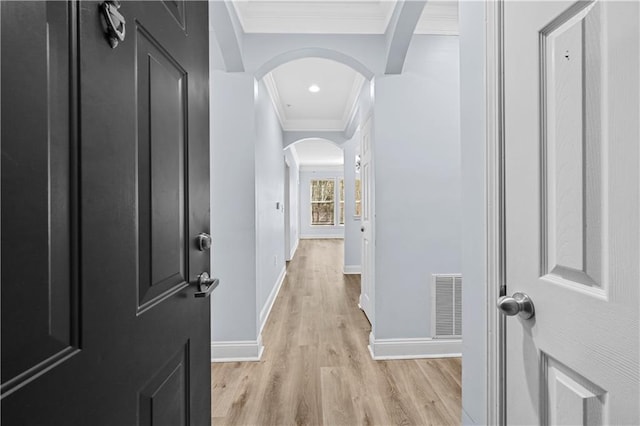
column 206, row 285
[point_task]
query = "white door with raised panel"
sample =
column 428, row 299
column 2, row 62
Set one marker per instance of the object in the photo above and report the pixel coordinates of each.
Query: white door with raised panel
column 367, row 223
column 572, row 138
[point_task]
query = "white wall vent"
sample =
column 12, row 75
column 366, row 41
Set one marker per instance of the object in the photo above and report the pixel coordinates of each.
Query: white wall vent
column 446, row 301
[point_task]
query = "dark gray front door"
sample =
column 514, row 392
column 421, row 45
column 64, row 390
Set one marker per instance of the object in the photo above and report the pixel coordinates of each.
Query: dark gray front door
column 104, row 189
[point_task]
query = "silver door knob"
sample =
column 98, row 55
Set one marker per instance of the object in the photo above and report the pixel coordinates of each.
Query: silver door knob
column 203, row 241
column 518, row 304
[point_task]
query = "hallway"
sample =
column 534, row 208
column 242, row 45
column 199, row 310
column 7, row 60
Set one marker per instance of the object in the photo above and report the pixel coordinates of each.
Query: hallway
column 316, row 368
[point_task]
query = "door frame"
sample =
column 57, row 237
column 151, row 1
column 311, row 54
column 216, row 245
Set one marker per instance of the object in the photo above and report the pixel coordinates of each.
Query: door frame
column 495, row 212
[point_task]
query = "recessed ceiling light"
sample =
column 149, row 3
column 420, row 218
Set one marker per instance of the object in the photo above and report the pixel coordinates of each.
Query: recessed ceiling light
column 314, row 88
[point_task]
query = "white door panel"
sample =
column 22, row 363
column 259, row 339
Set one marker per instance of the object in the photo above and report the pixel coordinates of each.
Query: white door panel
column 367, row 224
column 572, row 210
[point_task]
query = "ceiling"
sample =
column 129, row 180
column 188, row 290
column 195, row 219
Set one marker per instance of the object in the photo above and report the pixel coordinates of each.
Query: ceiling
column 314, row 17
column 331, row 108
column 328, row 109
column 318, row 152
column 439, row 18
column 339, row 16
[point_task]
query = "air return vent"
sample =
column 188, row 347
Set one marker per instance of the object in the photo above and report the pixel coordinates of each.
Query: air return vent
column 446, row 297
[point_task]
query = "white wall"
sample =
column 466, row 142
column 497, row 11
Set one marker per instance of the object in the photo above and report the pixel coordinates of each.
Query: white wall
column 473, row 131
column 307, row 174
column 269, row 190
column 417, row 185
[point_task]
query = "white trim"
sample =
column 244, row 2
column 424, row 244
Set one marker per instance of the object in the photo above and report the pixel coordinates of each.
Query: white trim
column 353, row 124
column 312, row 125
column 293, row 249
column 294, row 155
column 232, row 351
column 310, row 168
column 352, row 269
column 368, row 319
column 413, row 348
column 266, row 309
column 274, row 95
column 322, row 237
column 351, row 106
column 496, row 332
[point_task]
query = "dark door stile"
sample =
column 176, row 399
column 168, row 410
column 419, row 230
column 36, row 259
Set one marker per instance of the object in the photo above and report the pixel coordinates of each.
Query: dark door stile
column 105, row 170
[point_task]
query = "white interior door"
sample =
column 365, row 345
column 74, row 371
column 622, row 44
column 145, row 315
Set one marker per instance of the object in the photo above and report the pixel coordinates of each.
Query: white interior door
column 367, row 223
column 572, row 218
column 287, row 212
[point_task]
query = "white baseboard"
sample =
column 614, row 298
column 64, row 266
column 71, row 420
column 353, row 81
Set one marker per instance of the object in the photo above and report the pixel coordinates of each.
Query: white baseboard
column 364, row 311
column 322, row 237
column 351, row 269
column 247, row 350
column 383, row 349
column 293, row 250
column 244, row 350
column 266, row 309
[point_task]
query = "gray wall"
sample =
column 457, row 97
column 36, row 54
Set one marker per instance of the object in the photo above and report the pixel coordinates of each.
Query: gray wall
column 417, row 185
column 247, row 180
column 473, row 131
column 269, row 189
column 233, row 206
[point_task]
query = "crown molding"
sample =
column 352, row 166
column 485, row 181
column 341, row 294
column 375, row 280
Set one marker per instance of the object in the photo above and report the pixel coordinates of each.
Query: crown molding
column 310, row 168
column 274, row 94
column 294, row 155
column 352, row 101
column 313, row 125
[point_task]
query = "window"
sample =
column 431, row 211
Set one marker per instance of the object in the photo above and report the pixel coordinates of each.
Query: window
column 358, row 212
column 322, row 202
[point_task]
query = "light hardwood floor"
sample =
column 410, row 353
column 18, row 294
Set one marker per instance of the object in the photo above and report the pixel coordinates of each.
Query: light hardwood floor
column 316, row 368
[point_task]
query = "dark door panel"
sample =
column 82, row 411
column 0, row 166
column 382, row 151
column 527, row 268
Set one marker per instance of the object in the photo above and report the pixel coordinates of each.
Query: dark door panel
column 38, row 181
column 104, row 189
column 162, row 183
column 165, row 400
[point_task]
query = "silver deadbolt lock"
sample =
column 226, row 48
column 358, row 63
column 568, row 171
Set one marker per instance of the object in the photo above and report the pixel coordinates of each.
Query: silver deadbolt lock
column 203, row 241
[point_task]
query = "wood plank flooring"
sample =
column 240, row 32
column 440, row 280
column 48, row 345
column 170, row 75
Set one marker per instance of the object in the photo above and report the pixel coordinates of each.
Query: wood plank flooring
column 316, row 368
